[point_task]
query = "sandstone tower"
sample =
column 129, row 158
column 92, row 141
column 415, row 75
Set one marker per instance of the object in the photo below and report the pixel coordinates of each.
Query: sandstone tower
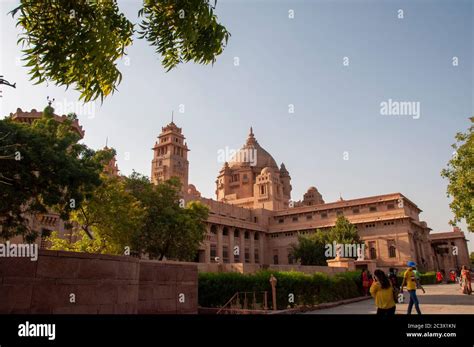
column 170, row 158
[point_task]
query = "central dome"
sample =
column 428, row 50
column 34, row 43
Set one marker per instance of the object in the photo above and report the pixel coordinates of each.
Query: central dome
column 252, row 154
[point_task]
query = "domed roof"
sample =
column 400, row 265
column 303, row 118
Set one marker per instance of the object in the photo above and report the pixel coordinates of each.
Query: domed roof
column 252, row 154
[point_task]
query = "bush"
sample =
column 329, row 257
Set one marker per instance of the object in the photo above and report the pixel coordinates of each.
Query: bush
column 216, row 289
column 425, row 278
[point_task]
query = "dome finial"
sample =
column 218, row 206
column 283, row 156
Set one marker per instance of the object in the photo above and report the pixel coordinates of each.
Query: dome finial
column 251, row 132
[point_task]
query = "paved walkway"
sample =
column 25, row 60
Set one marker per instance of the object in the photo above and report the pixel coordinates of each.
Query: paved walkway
column 439, row 299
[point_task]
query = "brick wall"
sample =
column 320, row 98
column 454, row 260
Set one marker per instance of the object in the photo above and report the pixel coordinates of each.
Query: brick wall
column 101, row 284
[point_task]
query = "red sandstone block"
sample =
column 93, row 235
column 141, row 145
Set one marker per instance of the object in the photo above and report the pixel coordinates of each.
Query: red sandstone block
column 76, row 309
column 146, row 307
column 57, row 267
column 106, row 293
column 49, row 294
column 146, row 272
column 145, row 292
column 85, row 294
column 187, row 273
column 125, row 308
column 17, row 267
column 166, row 306
column 127, row 294
column 164, row 292
column 98, row 269
column 106, row 309
column 165, row 273
column 41, row 310
column 127, row 270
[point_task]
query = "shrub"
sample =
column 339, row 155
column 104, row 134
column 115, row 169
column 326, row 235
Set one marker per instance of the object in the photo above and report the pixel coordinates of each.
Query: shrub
column 425, row 278
column 215, row 289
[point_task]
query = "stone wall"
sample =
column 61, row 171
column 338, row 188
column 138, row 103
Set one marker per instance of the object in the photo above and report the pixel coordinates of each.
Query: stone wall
column 168, row 288
column 98, row 284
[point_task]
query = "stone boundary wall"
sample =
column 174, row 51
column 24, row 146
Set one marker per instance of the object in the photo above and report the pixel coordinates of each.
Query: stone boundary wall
column 101, row 284
column 168, row 288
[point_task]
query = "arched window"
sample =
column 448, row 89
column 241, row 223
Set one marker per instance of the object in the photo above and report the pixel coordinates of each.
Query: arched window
column 214, row 229
column 225, row 231
column 236, row 233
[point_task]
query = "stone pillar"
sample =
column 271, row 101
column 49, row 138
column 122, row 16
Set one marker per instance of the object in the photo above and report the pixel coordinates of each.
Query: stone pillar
column 261, row 254
column 207, row 245
column 252, row 247
column 207, row 252
column 231, row 245
column 219, row 244
column 242, row 246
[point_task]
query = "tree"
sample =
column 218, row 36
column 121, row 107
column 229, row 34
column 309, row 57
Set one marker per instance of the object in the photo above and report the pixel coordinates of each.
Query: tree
column 78, row 43
column 343, row 232
column 460, row 175
column 169, row 229
column 132, row 212
column 112, row 215
column 471, row 257
column 311, row 249
column 43, row 168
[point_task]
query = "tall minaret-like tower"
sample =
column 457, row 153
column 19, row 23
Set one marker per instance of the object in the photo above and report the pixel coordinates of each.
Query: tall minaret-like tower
column 170, row 158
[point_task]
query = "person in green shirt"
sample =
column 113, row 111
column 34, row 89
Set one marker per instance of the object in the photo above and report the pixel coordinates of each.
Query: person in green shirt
column 409, row 279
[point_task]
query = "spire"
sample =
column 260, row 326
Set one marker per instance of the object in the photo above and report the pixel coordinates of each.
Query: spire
column 251, row 138
column 172, row 116
column 106, row 142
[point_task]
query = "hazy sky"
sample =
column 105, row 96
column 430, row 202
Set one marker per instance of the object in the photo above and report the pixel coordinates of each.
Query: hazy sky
column 297, row 61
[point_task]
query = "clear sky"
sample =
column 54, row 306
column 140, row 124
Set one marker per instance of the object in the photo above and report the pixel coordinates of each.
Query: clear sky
column 296, row 61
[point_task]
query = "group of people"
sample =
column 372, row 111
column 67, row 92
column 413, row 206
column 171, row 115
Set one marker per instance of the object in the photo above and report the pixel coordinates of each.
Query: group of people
column 461, row 276
column 384, row 289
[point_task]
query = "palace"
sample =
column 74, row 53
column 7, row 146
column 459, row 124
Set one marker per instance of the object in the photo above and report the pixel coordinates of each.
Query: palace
column 254, row 213
column 253, row 210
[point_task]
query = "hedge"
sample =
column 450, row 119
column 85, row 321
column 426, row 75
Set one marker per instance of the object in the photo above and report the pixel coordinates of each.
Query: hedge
column 215, row 289
column 425, row 278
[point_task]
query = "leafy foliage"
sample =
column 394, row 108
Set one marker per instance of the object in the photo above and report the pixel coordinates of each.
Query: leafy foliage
column 42, row 168
column 425, row 278
column 182, row 31
column 169, row 229
column 215, row 289
column 83, row 244
column 74, row 42
column 78, row 43
column 132, row 212
column 310, row 249
column 111, row 215
column 460, row 174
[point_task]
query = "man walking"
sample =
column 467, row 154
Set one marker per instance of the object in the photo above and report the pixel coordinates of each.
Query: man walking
column 409, row 279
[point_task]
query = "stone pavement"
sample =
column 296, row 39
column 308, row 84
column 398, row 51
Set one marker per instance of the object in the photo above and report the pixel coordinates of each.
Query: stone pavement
column 439, row 299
